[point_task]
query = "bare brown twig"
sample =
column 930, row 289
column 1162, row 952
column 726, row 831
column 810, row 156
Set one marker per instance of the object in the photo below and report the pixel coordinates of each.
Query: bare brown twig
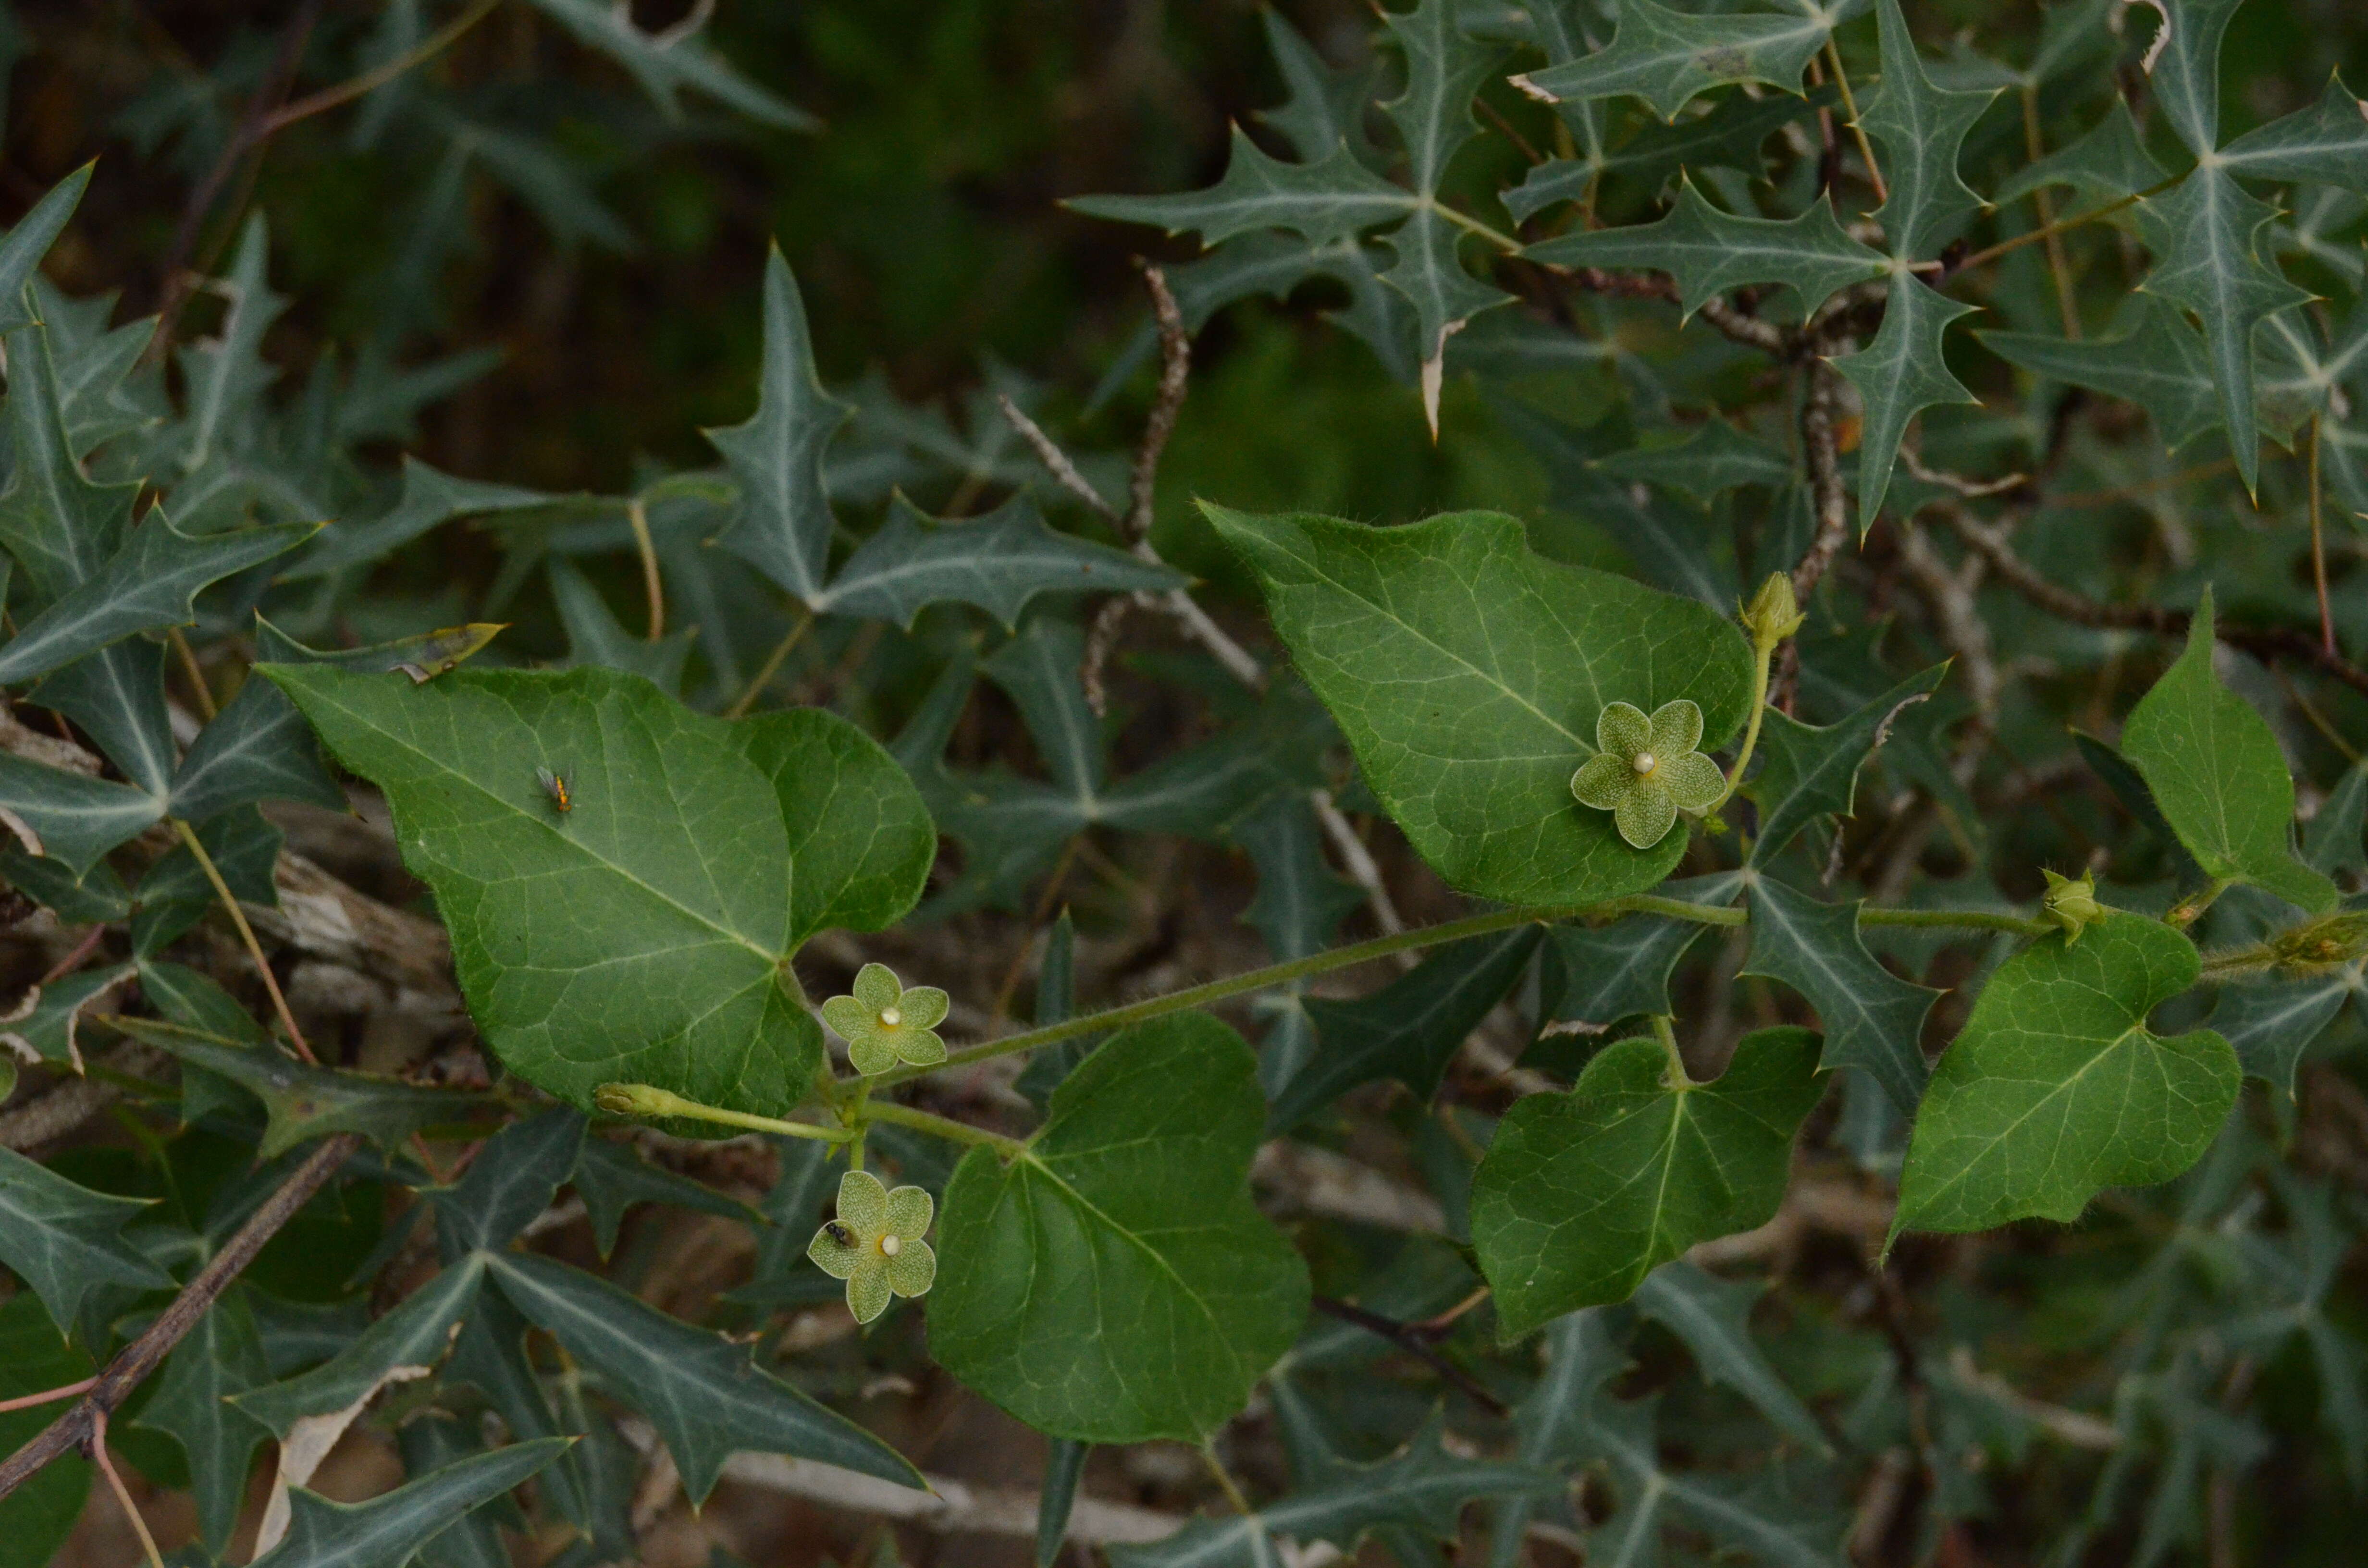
column 84, row 1423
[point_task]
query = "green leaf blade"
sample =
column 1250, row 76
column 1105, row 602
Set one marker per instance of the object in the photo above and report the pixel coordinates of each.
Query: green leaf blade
column 2057, row 1089
column 637, row 938
column 1115, row 1283
column 1583, row 1195
column 1467, row 674
column 1708, row 251
column 2215, row 770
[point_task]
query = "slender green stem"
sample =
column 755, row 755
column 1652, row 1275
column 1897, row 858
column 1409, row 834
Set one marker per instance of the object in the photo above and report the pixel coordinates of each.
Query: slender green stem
column 1963, row 919
column 944, row 1127
column 1464, row 221
column 781, row 649
column 1849, row 106
column 2041, row 234
column 2187, row 911
column 1665, row 1030
column 1253, row 980
column 246, row 933
column 1676, row 909
column 647, row 1100
column 1751, row 731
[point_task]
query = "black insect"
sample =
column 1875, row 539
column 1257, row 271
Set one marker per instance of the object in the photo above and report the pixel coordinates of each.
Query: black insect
column 838, row 1233
column 555, row 786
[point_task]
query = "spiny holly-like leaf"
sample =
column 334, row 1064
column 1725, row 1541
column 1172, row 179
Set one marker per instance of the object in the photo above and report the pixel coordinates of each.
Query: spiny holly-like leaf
column 998, row 562
column 2158, row 364
column 2204, row 231
column 1898, row 375
column 304, row 1103
column 60, row 526
column 2270, row 1024
column 660, row 906
column 151, row 582
column 1715, row 459
column 1921, row 128
column 1709, row 251
column 2056, row 1088
column 74, row 819
column 389, row 1530
column 2104, row 165
column 1300, row 905
column 1762, row 1524
column 1712, row 1316
column 1665, row 56
column 24, row 246
column 2325, row 144
column 428, row 653
column 48, row 1020
column 2332, row 841
column 666, row 62
column 428, row 498
column 1582, row 1195
column 1327, row 106
column 1114, row 1283
column 39, row 1515
column 1872, row 1018
column 1433, row 117
column 222, row 1357
column 2186, row 68
column 1581, row 1355
column 258, row 748
column 1468, row 672
column 64, row 1241
column 225, row 375
column 1811, row 771
column 700, row 1389
column 417, row 1332
column 1727, row 137
column 784, row 523
column 510, row 1181
column 1410, row 1029
column 611, row 1178
column 595, row 637
column 1276, row 262
column 1333, row 197
column 92, row 899
column 176, row 891
column 2217, row 774
column 1596, row 977
column 1421, row 1489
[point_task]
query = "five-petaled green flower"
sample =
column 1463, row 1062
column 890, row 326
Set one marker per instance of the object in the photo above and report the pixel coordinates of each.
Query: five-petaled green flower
column 1648, row 770
column 884, row 1023
column 875, row 1243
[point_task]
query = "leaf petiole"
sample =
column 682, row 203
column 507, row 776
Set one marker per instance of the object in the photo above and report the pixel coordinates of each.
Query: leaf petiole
column 647, row 1100
column 944, row 1127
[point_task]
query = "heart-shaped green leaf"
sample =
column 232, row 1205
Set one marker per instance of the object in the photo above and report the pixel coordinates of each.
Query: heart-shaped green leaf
column 1468, row 672
column 2056, row 1088
column 643, row 934
column 2216, row 772
column 1583, row 1194
column 1113, row 1283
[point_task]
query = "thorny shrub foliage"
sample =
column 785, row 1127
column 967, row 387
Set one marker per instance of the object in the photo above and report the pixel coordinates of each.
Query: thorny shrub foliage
column 1904, row 779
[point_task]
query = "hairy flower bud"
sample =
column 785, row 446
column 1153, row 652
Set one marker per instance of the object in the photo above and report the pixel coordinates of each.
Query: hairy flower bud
column 2317, row 946
column 633, row 1099
column 1773, row 613
column 2070, row 905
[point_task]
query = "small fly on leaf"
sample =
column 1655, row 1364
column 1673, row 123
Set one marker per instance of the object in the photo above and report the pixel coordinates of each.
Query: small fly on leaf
column 555, row 786
column 840, row 1233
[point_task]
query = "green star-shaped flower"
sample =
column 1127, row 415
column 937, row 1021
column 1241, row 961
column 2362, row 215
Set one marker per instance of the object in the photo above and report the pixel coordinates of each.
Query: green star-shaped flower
column 1648, row 770
column 884, row 1023
column 875, row 1243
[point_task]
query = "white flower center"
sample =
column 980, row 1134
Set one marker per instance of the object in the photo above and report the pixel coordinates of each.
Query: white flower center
column 889, row 1246
column 1644, row 762
column 890, row 1017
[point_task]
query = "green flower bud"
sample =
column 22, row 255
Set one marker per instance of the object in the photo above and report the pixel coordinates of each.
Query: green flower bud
column 1773, row 613
column 2317, row 945
column 2070, row 905
column 633, row 1099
